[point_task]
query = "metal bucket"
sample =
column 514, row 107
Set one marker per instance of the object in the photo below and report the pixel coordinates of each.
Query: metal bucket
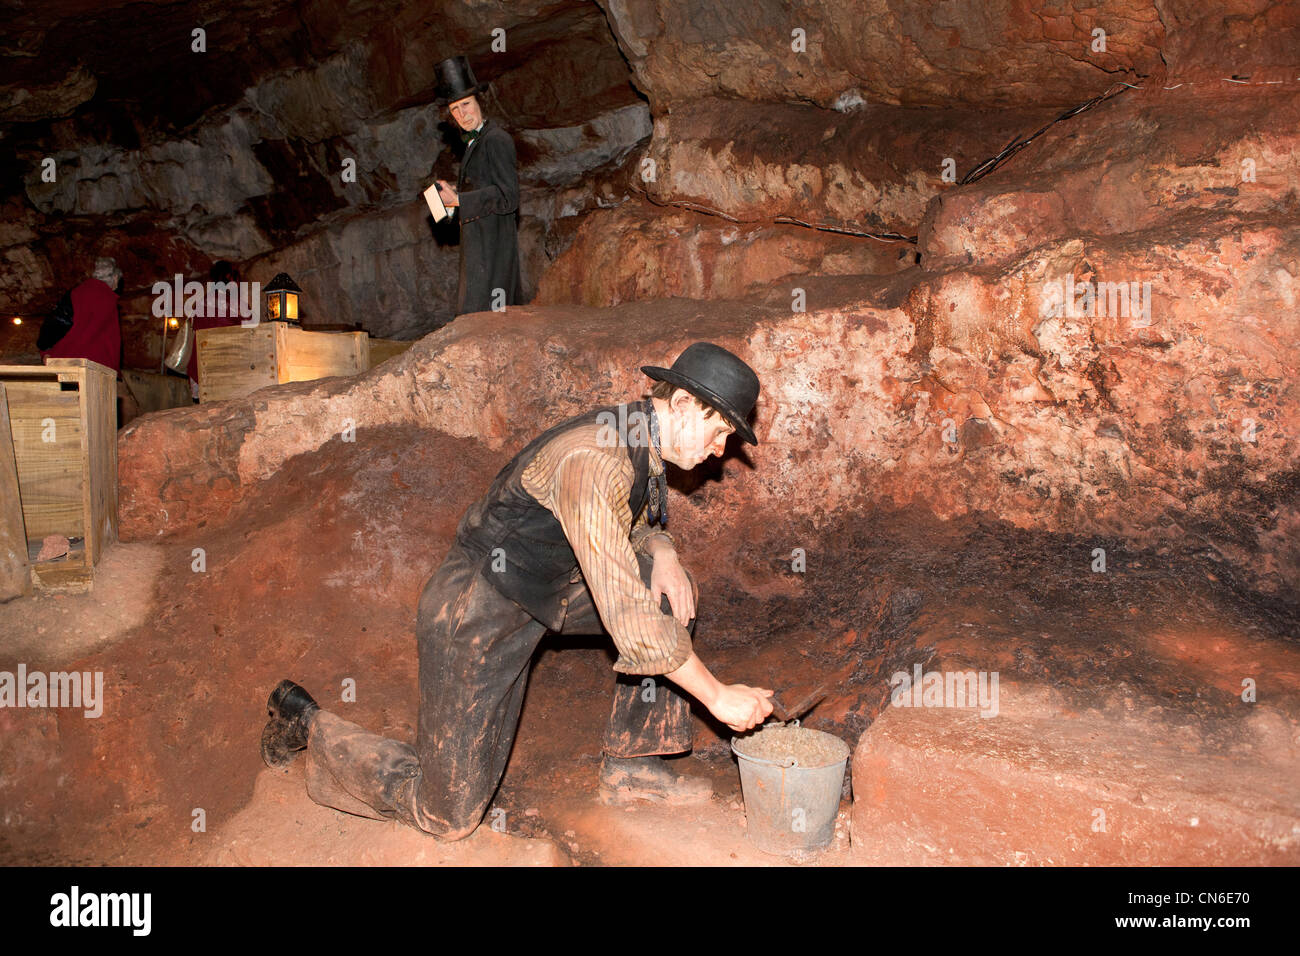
column 791, row 809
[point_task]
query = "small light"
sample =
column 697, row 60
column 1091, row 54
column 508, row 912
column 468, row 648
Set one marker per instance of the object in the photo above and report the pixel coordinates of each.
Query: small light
column 18, row 320
column 282, row 299
column 174, row 323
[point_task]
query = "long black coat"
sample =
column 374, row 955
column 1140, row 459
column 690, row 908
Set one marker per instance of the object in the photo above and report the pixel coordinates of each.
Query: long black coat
column 488, row 187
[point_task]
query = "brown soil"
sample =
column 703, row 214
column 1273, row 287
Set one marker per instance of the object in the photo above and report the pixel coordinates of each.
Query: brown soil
column 316, row 578
column 807, row 748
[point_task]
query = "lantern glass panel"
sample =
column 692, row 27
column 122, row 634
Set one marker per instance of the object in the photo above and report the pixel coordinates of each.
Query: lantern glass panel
column 273, row 304
column 291, row 306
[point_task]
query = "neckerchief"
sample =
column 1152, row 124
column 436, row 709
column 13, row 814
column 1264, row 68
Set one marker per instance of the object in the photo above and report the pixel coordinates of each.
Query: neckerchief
column 657, row 510
column 468, row 136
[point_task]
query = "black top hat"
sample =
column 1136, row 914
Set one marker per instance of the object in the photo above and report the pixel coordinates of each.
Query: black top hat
column 456, row 80
column 717, row 378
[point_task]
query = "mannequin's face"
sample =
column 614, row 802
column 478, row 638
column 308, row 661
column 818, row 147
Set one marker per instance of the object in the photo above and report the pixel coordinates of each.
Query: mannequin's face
column 694, row 436
column 467, row 113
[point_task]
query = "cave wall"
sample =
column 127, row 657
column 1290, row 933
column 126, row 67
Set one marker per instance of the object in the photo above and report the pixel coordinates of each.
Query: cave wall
column 169, row 158
column 880, row 394
column 261, row 180
column 925, row 365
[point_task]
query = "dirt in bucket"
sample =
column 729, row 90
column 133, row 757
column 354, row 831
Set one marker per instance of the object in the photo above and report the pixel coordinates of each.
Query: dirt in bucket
column 778, row 743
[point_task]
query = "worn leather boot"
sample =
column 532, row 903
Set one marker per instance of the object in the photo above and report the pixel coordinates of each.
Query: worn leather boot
column 623, row 779
column 291, row 709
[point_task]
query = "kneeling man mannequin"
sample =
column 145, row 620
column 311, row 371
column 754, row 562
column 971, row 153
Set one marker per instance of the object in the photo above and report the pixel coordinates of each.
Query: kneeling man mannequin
column 565, row 540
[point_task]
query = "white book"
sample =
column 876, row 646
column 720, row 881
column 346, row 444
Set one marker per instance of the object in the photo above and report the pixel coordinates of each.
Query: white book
column 436, row 205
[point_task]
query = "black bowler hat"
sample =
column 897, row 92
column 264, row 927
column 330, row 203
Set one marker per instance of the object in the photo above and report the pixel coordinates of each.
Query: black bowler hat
column 717, row 378
column 456, row 80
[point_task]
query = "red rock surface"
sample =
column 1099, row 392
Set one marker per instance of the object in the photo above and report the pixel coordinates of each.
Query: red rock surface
column 317, row 576
column 860, row 402
column 935, row 54
column 937, row 787
column 1120, row 736
column 1183, row 162
column 636, row 252
column 873, row 169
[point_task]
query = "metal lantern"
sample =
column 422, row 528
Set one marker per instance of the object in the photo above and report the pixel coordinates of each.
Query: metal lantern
column 282, row 300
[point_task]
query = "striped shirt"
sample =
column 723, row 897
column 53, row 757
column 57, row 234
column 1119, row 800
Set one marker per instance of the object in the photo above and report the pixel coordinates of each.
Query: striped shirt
column 586, row 485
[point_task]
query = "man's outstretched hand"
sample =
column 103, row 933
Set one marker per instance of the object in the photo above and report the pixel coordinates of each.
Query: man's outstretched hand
column 741, row 707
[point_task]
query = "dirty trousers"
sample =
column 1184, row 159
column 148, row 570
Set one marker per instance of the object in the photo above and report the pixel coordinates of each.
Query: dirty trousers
column 475, row 648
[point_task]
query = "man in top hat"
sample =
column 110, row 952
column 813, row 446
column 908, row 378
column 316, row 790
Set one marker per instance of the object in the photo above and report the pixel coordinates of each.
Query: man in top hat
column 569, row 538
column 485, row 199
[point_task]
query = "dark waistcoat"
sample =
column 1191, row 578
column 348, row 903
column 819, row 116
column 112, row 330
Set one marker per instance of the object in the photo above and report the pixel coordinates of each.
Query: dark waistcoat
column 535, row 565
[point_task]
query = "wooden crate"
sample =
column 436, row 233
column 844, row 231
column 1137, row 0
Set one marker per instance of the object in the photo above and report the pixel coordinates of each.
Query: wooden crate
column 15, row 566
column 154, row 392
column 381, row 350
column 235, row 361
column 63, row 421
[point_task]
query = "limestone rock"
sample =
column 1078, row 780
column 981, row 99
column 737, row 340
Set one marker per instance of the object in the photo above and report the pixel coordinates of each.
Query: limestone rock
column 20, row 103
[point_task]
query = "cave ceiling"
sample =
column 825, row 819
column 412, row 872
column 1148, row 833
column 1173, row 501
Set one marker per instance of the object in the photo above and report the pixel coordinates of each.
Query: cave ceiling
column 127, row 70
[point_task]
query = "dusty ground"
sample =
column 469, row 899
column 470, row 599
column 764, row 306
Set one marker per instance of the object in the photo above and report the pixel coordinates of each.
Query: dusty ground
column 317, row 579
